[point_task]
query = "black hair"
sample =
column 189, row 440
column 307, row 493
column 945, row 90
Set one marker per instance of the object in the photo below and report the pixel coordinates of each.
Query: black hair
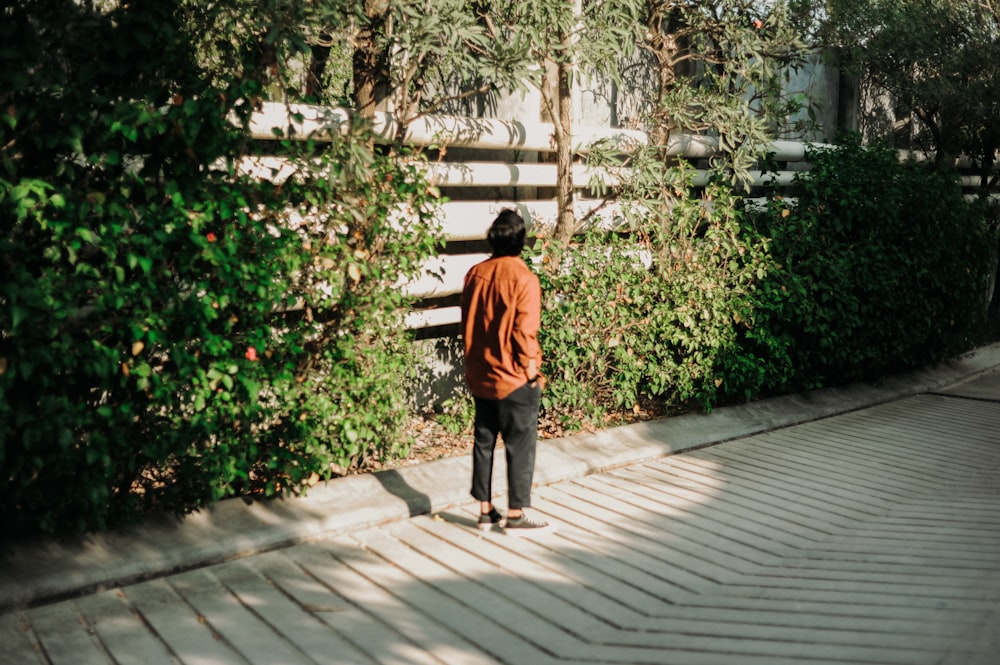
column 506, row 235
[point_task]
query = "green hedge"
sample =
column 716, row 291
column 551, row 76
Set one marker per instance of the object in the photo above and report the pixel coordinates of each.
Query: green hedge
column 648, row 314
column 170, row 334
column 865, row 267
column 878, row 266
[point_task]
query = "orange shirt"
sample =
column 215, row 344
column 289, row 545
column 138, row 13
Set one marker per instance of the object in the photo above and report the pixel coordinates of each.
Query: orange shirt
column 501, row 313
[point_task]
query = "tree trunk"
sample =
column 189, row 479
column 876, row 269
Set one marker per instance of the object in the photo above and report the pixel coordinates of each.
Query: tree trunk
column 364, row 65
column 566, row 220
column 369, row 64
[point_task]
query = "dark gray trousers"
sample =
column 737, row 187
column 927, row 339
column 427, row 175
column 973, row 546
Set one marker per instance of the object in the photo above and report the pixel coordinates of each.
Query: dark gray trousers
column 515, row 418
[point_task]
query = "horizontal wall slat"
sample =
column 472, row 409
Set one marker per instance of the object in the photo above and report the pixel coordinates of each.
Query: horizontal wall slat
column 320, row 122
column 501, row 174
column 433, row 318
column 445, row 276
column 470, row 220
column 442, row 275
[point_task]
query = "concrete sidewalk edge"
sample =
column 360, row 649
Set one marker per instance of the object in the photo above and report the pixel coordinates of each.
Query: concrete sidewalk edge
column 32, row 573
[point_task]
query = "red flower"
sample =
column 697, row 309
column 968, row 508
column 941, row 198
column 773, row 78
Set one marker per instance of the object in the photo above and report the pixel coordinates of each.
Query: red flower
column 210, row 237
column 251, row 354
column 758, row 24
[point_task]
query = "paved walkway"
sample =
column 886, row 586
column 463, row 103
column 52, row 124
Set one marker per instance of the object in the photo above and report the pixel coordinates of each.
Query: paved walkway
column 852, row 526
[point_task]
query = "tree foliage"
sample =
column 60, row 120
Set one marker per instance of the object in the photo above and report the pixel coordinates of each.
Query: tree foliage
column 567, row 42
column 649, row 316
column 860, row 277
column 427, row 57
column 722, row 69
column 420, row 57
column 939, row 62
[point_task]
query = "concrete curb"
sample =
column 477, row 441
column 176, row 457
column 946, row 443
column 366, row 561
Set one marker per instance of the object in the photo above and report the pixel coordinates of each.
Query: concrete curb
column 45, row 570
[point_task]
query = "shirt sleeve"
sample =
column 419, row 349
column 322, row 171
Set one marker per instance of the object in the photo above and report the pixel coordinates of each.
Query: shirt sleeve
column 526, row 323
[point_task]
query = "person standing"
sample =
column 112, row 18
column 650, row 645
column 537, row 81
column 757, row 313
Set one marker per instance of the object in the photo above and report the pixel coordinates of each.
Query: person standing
column 501, row 314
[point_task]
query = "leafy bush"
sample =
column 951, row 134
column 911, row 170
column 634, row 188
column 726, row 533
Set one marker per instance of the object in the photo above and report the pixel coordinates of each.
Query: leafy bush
column 457, row 414
column 877, row 266
column 647, row 314
column 174, row 332
column 869, row 267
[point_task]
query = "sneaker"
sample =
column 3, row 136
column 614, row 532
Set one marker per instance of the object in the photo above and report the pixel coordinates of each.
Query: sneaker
column 524, row 526
column 489, row 520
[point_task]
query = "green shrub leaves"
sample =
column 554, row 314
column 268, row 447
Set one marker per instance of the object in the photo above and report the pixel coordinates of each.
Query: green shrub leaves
column 877, row 267
column 173, row 332
column 867, row 267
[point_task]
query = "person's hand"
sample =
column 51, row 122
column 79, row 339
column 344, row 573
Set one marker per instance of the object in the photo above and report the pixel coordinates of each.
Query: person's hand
column 536, row 377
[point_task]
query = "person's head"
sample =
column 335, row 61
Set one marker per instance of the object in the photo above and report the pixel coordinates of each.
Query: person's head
column 506, row 235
